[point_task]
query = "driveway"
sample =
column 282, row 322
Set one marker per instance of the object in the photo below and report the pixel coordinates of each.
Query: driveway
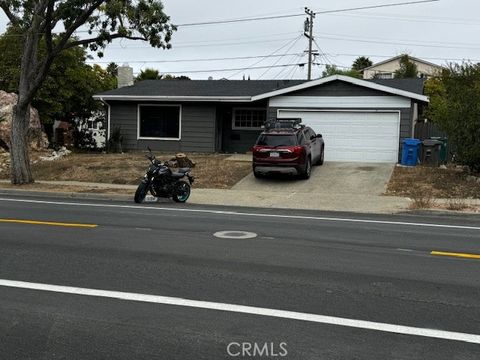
column 337, row 178
column 336, row 186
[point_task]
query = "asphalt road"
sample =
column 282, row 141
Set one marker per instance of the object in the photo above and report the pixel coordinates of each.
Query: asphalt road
column 361, row 269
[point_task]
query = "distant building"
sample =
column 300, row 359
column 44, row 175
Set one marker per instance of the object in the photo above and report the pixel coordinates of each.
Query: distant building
column 386, row 69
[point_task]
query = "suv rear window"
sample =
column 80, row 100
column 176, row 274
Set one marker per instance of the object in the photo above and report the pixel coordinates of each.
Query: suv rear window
column 277, row 140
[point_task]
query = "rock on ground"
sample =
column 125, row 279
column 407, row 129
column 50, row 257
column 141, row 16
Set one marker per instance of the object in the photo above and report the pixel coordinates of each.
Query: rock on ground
column 38, row 139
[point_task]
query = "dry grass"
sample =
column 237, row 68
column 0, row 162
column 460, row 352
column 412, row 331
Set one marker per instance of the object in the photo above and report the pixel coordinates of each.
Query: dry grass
column 211, row 171
column 426, row 183
column 457, row 205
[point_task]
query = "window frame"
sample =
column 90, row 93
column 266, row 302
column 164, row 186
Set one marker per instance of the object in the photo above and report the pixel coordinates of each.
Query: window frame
column 179, row 106
column 234, row 110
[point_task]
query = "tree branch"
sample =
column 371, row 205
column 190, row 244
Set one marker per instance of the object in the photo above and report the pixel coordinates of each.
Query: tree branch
column 82, row 19
column 110, row 37
column 10, row 15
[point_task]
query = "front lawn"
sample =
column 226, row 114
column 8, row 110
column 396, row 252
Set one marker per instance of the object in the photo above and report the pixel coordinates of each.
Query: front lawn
column 211, row 171
column 448, row 183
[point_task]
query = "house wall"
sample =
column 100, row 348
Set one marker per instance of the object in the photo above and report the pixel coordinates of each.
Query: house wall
column 392, row 66
column 234, row 140
column 338, row 88
column 197, row 128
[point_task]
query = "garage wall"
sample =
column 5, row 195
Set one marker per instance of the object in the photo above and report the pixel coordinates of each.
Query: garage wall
column 338, row 88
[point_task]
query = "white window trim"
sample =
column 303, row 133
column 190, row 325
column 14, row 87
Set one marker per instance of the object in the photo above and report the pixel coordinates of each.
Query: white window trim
column 246, row 128
column 158, row 138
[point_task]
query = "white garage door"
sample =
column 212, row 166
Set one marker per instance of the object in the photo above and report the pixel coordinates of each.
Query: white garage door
column 354, row 136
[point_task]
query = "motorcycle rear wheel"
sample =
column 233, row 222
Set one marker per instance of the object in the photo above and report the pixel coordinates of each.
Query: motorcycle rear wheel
column 182, row 192
column 141, row 193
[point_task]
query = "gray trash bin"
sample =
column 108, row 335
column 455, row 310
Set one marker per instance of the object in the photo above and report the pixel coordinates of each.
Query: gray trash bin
column 431, row 150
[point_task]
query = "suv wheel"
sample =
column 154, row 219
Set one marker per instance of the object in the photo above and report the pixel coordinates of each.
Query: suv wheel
column 257, row 174
column 308, row 170
column 322, row 157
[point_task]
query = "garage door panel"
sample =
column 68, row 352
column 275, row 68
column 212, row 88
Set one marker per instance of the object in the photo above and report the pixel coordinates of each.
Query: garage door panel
column 354, row 136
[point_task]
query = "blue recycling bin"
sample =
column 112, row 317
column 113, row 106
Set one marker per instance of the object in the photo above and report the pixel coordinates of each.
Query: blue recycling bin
column 410, row 152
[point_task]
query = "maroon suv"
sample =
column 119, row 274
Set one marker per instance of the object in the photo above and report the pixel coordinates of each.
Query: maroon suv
column 288, row 150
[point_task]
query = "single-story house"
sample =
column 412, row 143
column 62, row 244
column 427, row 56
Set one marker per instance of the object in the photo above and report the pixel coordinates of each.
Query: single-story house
column 360, row 120
column 386, row 69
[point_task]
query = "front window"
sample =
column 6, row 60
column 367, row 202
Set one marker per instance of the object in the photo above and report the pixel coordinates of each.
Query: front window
column 159, row 122
column 249, row 119
column 277, row 140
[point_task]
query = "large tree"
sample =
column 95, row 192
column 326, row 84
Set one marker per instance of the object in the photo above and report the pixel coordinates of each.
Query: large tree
column 148, row 74
column 408, row 69
column 454, row 107
column 361, row 63
column 67, row 90
column 333, row 70
column 56, row 24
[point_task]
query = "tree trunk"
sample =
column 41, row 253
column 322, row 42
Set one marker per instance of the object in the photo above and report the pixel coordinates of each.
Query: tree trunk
column 27, row 87
column 20, row 160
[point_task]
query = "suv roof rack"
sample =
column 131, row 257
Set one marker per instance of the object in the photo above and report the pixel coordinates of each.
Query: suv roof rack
column 293, row 123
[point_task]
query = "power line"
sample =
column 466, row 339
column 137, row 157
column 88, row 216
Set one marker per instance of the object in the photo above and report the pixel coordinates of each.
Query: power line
column 194, row 45
column 192, row 60
column 231, row 21
column 438, row 20
column 278, row 60
column 226, row 70
column 421, row 57
column 258, row 62
column 441, row 46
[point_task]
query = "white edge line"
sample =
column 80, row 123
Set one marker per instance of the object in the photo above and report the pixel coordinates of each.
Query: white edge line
column 220, row 212
column 322, row 319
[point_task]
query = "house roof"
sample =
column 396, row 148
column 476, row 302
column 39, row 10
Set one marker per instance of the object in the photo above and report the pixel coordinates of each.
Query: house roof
column 219, row 89
column 354, row 81
column 248, row 90
column 397, row 58
column 414, row 85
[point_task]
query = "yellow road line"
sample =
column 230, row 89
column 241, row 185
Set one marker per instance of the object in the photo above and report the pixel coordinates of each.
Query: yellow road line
column 49, row 223
column 459, row 255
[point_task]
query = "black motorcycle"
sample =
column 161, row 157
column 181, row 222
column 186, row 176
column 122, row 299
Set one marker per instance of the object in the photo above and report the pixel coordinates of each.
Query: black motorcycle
column 160, row 181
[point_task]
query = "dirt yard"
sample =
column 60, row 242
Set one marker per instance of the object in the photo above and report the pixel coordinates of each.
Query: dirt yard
column 447, row 183
column 211, row 170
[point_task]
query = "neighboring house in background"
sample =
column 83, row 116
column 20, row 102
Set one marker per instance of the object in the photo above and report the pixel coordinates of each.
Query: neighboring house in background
column 94, row 125
column 360, row 120
column 386, row 69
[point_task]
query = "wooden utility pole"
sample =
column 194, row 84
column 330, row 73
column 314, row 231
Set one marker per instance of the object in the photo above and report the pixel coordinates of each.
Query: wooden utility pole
column 309, row 35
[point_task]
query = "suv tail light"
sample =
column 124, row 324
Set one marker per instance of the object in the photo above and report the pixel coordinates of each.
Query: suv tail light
column 298, row 150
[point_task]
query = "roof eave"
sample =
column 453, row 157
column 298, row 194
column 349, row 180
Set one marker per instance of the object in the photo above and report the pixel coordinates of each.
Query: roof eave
column 174, row 98
column 354, row 81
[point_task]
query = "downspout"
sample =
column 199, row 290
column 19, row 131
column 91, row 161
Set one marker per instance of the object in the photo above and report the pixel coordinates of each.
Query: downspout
column 108, row 118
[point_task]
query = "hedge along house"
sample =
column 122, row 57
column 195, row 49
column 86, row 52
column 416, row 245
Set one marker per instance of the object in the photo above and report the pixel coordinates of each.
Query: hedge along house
column 360, row 120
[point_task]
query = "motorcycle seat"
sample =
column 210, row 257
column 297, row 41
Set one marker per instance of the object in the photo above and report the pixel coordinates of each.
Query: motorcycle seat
column 184, row 170
column 178, row 175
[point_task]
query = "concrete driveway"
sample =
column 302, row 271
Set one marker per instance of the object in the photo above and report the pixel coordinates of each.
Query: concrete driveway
column 336, row 186
column 338, row 178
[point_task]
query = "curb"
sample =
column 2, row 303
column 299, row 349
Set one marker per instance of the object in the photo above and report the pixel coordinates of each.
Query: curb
column 72, row 195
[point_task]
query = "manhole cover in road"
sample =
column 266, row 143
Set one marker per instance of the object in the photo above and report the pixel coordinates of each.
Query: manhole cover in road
column 235, row 235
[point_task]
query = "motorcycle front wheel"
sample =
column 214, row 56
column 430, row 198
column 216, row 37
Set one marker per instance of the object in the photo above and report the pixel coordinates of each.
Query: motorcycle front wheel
column 182, row 192
column 141, row 193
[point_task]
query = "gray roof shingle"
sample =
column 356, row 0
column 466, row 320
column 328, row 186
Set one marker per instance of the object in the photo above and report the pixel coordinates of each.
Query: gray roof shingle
column 235, row 87
column 203, row 87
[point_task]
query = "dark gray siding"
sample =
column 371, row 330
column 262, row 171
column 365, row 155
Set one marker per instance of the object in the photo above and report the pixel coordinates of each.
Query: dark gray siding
column 338, row 88
column 405, row 120
column 198, row 128
column 233, row 140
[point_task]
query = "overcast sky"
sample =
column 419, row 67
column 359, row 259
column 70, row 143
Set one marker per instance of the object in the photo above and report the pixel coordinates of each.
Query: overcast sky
column 439, row 32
